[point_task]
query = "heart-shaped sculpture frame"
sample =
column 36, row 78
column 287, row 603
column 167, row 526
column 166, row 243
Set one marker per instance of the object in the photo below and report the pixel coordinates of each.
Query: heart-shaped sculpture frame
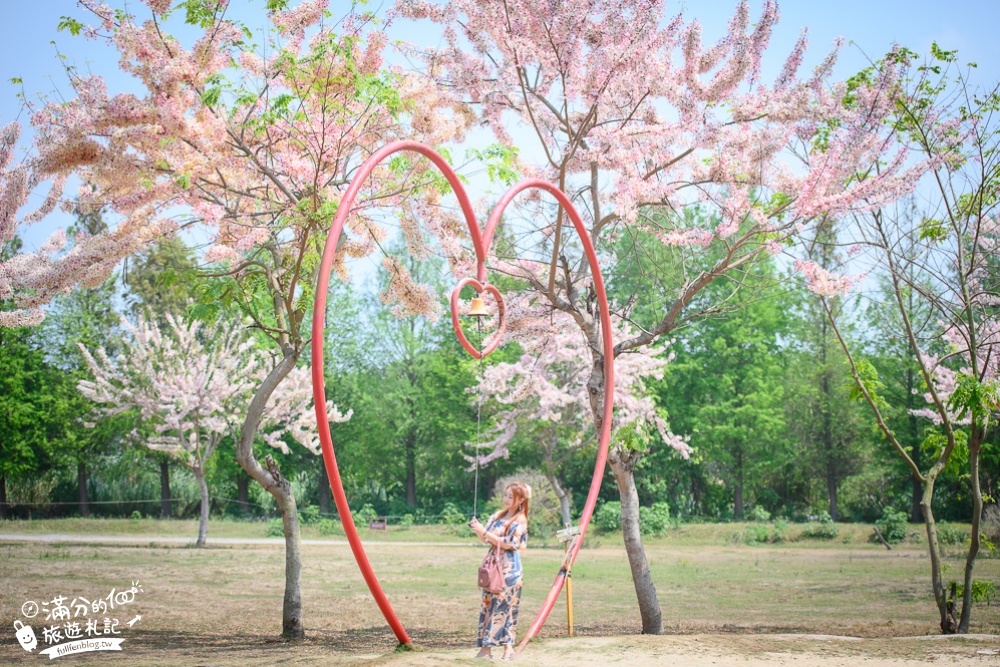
column 481, row 242
column 457, row 324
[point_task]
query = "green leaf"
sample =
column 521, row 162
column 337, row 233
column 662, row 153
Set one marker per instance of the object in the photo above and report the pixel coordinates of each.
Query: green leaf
column 975, row 398
column 210, row 96
column 942, row 55
column 199, row 12
column 69, row 23
column 933, row 230
column 867, row 378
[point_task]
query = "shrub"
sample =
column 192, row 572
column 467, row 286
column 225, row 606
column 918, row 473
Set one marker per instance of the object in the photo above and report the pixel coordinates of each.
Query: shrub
column 608, row 517
column 949, row 534
column 275, row 528
column 406, row 521
column 760, row 514
column 780, row 532
column 653, row 520
column 309, row 515
column 365, row 515
column 451, row 515
column 983, row 590
column 461, row 530
column 823, row 529
column 893, row 525
column 754, row 534
column 327, row 526
column 760, row 534
column 863, row 496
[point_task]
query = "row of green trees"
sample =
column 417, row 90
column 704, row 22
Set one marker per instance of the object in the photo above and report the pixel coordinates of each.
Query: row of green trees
column 761, row 391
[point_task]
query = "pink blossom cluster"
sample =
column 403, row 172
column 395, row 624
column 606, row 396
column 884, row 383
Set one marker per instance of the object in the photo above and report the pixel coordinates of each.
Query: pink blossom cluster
column 944, row 370
column 20, row 279
column 185, row 382
column 405, row 295
column 192, row 385
column 290, row 412
column 258, row 155
column 823, row 282
column 621, row 90
column 944, row 380
column 548, row 384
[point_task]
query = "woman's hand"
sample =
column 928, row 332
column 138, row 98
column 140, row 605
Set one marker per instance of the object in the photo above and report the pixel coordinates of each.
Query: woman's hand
column 477, row 528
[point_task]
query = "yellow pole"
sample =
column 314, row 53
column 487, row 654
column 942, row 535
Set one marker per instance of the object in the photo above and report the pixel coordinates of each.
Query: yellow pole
column 569, row 595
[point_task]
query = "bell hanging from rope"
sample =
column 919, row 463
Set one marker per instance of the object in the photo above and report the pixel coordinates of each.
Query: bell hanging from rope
column 478, row 308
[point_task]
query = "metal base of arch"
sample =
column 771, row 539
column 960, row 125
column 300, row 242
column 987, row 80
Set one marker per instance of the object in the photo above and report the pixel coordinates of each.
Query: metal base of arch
column 481, row 239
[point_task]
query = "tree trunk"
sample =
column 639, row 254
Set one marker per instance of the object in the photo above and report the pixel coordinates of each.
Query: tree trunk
column 165, row 508
column 279, row 487
column 3, row 497
column 324, row 491
column 291, row 614
column 975, row 443
column 243, row 492
column 826, row 435
column 697, row 497
column 199, row 475
column 917, row 489
column 563, row 496
column 831, row 491
column 411, row 470
column 946, row 608
column 738, row 489
column 916, row 513
column 622, row 465
column 81, row 483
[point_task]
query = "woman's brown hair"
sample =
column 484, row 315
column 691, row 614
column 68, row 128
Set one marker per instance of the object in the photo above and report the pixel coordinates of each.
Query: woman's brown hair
column 522, row 497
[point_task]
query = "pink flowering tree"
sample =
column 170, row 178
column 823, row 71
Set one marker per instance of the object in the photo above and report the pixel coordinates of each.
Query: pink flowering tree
column 20, row 290
column 543, row 395
column 656, row 134
column 189, row 385
column 252, row 145
column 942, row 256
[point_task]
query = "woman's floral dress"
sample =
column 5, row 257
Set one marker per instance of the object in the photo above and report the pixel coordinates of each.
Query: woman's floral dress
column 498, row 616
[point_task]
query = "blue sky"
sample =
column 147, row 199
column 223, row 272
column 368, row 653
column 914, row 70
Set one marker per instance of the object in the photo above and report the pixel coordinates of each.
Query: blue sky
column 870, row 26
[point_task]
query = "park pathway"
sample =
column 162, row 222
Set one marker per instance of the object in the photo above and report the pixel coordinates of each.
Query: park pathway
column 146, row 539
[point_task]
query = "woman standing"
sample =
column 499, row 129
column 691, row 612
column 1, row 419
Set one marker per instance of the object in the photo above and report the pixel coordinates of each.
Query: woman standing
column 508, row 531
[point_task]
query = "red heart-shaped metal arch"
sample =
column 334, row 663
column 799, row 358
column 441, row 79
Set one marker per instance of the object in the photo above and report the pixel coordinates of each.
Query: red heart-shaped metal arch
column 481, row 242
column 457, row 324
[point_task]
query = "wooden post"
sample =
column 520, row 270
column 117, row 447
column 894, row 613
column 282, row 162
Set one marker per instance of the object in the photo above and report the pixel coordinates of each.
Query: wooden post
column 566, row 536
column 569, row 597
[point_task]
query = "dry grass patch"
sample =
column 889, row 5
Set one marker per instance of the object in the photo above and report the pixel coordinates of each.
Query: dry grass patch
column 222, row 605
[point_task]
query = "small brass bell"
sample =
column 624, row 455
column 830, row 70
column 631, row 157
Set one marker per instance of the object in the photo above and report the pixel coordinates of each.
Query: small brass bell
column 478, row 308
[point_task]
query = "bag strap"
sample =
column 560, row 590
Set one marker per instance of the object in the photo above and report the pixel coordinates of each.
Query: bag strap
column 506, row 529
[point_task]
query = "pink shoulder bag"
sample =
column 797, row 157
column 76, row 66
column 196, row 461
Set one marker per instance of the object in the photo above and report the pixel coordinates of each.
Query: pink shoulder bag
column 491, row 571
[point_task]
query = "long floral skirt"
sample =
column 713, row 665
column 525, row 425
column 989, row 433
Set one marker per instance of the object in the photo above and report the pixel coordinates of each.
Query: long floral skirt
column 498, row 616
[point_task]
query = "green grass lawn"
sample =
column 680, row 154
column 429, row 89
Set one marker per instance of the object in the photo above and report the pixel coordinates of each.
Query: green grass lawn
column 851, row 536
